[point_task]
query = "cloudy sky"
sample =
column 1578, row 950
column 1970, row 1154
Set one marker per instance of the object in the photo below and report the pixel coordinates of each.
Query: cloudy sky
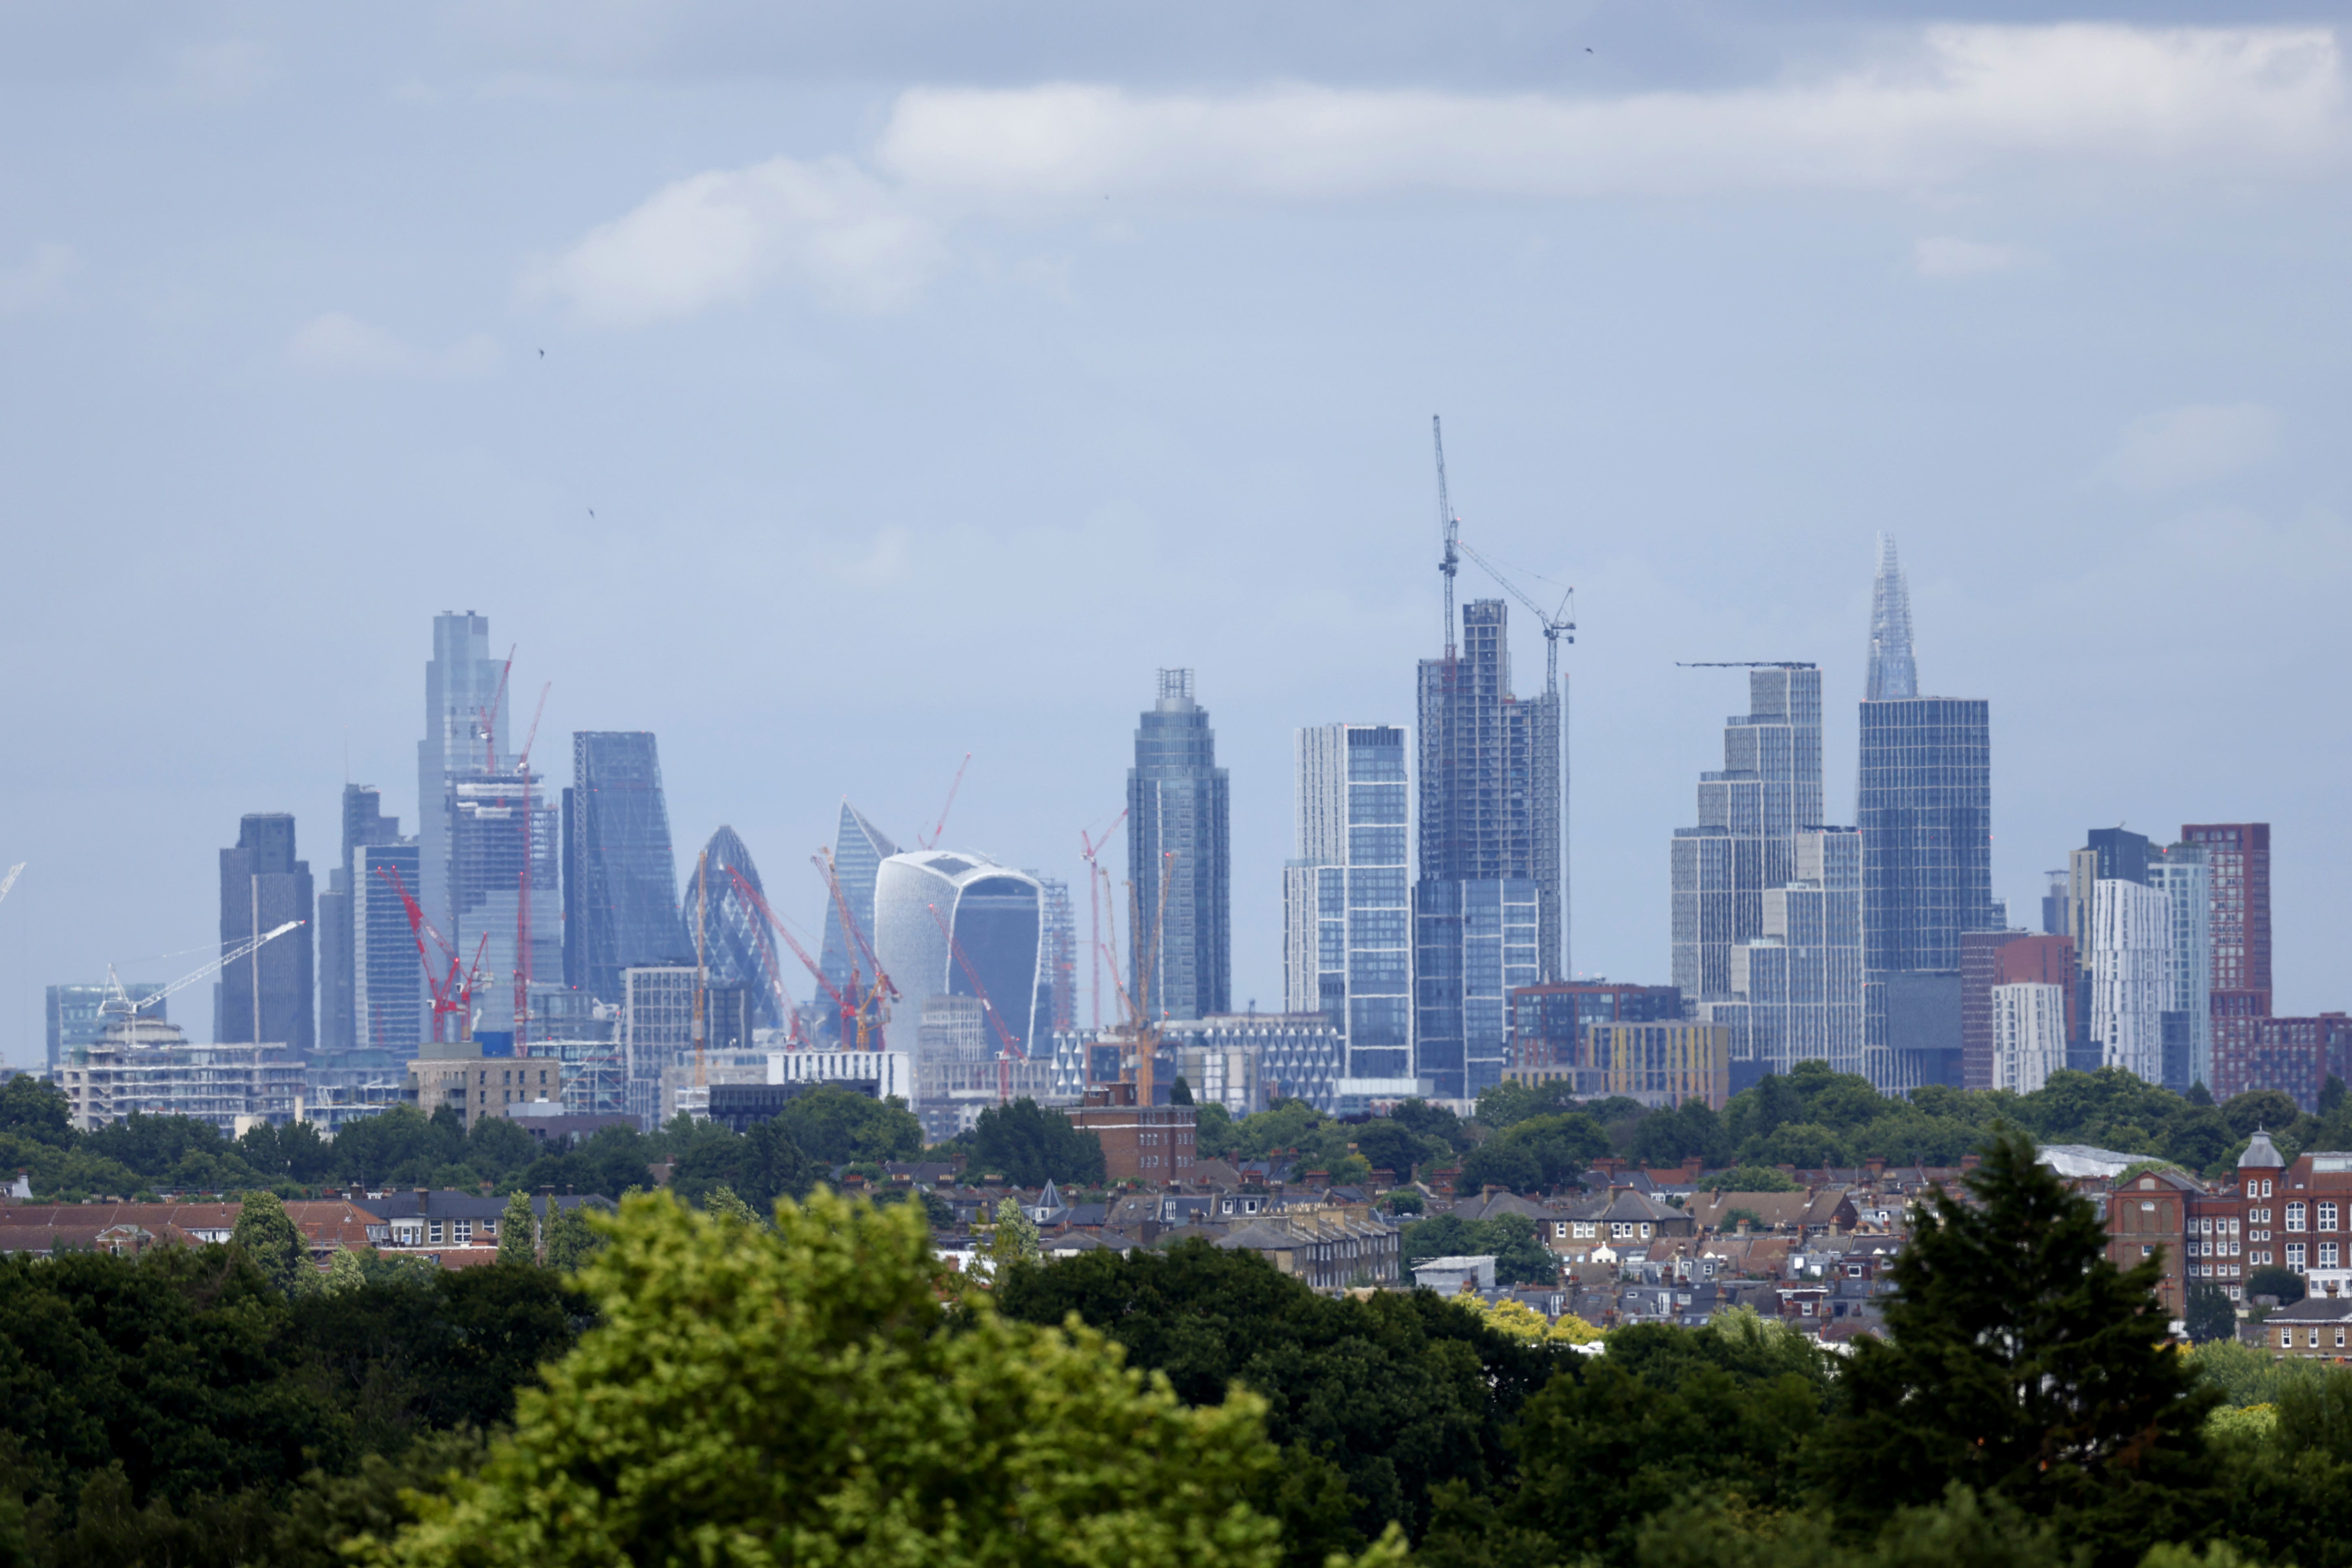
column 838, row 389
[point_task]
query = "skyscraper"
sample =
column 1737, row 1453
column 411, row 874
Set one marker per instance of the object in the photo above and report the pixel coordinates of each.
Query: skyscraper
column 1925, row 808
column 1179, row 824
column 2182, row 874
column 1749, row 815
column 735, row 947
column 858, row 850
column 388, row 990
column 363, row 823
column 1346, row 910
column 620, row 878
column 996, row 915
column 2131, row 938
column 464, row 733
column 264, row 998
column 74, row 1020
column 505, row 837
column 2239, row 856
column 1794, row 989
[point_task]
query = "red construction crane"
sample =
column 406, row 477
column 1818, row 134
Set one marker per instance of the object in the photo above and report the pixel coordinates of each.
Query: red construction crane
column 530, row 850
column 940, row 826
column 1012, row 1051
column 768, row 955
column 873, row 1005
column 452, row 994
column 1090, row 846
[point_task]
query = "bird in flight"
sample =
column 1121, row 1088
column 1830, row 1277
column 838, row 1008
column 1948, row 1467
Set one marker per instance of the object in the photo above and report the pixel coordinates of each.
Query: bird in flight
column 591, row 511
column 542, row 353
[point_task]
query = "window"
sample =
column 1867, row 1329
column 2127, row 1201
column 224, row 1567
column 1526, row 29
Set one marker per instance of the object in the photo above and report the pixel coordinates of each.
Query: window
column 2294, row 1255
column 2294, row 1217
column 2287, row 1339
column 2327, row 1254
column 2327, row 1220
column 2314, row 1340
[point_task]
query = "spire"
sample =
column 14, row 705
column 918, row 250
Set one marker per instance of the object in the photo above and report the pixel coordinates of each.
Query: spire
column 1893, row 676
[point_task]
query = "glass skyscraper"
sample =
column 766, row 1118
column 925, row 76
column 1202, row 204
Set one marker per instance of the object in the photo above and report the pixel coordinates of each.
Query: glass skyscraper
column 997, row 916
column 1179, row 821
column 1925, row 808
column 266, row 998
column 461, row 690
column 620, row 881
column 858, row 850
column 736, row 950
column 1346, row 910
column 364, row 822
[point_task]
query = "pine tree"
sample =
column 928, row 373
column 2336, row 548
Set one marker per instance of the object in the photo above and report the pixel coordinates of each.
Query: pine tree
column 517, row 1233
column 2020, row 1362
column 266, row 1234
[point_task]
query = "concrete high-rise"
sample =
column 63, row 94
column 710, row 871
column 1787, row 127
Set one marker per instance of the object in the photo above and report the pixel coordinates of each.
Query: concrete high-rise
column 364, row 822
column 1347, row 905
column 2238, row 857
column 75, row 1019
column 265, row 997
column 1795, row 985
column 2131, row 939
column 1180, row 826
column 505, row 835
column 1924, row 810
column 2184, row 876
column 2027, row 1035
column 620, row 875
column 1749, row 815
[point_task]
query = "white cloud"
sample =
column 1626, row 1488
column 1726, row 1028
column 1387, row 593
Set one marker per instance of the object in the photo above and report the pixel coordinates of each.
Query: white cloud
column 40, row 278
column 2190, row 445
column 1943, row 255
column 338, row 344
column 1961, row 99
column 722, row 235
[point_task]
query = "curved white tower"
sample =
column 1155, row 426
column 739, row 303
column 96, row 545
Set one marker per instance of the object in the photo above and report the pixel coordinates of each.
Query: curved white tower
column 996, row 915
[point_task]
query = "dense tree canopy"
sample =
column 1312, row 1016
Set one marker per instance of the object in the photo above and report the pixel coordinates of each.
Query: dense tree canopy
column 1027, row 1145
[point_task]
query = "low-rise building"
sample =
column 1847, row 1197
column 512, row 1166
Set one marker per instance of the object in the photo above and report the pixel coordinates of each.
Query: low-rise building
column 2314, row 1329
column 145, row 1066
column 1153, row 1144
column 457, row 1075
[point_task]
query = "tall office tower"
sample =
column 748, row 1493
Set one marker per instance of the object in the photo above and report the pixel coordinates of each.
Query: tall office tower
column 1794, row 988
column 1990, row 959
column 388, row 988
column 1475, row 942
column 363, row 823
column 1749, row 815
column 1490, row 779
column 2183, row 875
column 504, row 837
column 462, row 684
column 1347, row 908
column 2027, row 1038
column 2131, row 938
column 2238, row 857
column 2054, row 905
column 858, row 850
column 620, row 878
column 264, row 998
column 1925, row 808
column 725, row 928
column 1178, row 806
column 997, row 919
column 1057, row 985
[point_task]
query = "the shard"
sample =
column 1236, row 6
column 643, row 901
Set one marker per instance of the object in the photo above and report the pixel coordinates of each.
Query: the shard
column 1893, row 676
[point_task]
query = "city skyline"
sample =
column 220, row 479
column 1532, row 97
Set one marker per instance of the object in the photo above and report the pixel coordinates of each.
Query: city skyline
column 1182, row 411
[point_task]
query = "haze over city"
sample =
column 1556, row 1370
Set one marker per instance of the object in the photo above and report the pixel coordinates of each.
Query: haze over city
column 834, row 395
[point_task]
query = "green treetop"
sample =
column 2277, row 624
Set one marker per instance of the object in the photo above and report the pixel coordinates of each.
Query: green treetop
column 518, row 1232
column 814, row 1394
column 267, row 1233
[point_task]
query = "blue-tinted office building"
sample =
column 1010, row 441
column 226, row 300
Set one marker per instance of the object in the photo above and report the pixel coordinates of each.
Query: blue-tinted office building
column 1347, row 905
column 620, row 880
column 1179, row 806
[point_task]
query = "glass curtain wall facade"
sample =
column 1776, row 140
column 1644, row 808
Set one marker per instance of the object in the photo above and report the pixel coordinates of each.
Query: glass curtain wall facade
column 620, row 881
column 1474, row 944
column 263, row 886
column 388, row 994
column 496, row 828
column 363, row 823
column 997, row 916
column 1925, row 808
column 1347, row 907
column 75, row 1021
column 1796, row 985
column 1179, row 806
column 858, row 850
column 735, row 946
column 2185, row 878
column 461, row 692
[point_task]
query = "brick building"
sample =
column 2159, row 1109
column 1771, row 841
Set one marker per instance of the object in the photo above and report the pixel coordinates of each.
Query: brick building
column 1151, row 1144
column 2240, row 856
column 1991, row 958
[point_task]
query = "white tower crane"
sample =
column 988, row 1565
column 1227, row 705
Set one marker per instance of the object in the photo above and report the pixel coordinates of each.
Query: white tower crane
column 119, row 1004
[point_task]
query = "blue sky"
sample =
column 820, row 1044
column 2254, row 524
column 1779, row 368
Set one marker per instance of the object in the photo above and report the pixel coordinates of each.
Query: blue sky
column 918, row 379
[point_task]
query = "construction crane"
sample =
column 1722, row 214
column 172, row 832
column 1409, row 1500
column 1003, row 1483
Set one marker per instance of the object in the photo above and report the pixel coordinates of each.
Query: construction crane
column 873, row 1007
column 452, row 994
column 529, row 850
column 10, row 879
column 1450, row 563
column 769, row 918
column 940, row 826
column 1142, row 1031
column 1012, row 1051
column 702, row 976
column 1558, row 623
column 487, row 730
column 118, row 1002
column 1090, row 846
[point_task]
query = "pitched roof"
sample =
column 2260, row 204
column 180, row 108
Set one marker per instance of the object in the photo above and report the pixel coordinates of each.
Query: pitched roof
column 2262, row 1153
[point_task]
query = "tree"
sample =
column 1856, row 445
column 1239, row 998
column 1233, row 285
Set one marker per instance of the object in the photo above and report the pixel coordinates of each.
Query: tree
column 1540, row 1154
column 722, row 1203
column 343, row 1274
column 2275, row 1279
column 266, row 1234
column 1180, row 1092
column 759, row 1166
column 571, row 1240
column 1027, row 1145
column 830, row 1405
column 36, row 1109
column 1212, row 1132
column 1520, row 1256
column 1013, row 1241
column 518, row 1232
column 2258, row 1109
column 1749, row 1179
column 1427, row 1120
column 837, row 1126
column 2211, row 1314
column 2020, row 1362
